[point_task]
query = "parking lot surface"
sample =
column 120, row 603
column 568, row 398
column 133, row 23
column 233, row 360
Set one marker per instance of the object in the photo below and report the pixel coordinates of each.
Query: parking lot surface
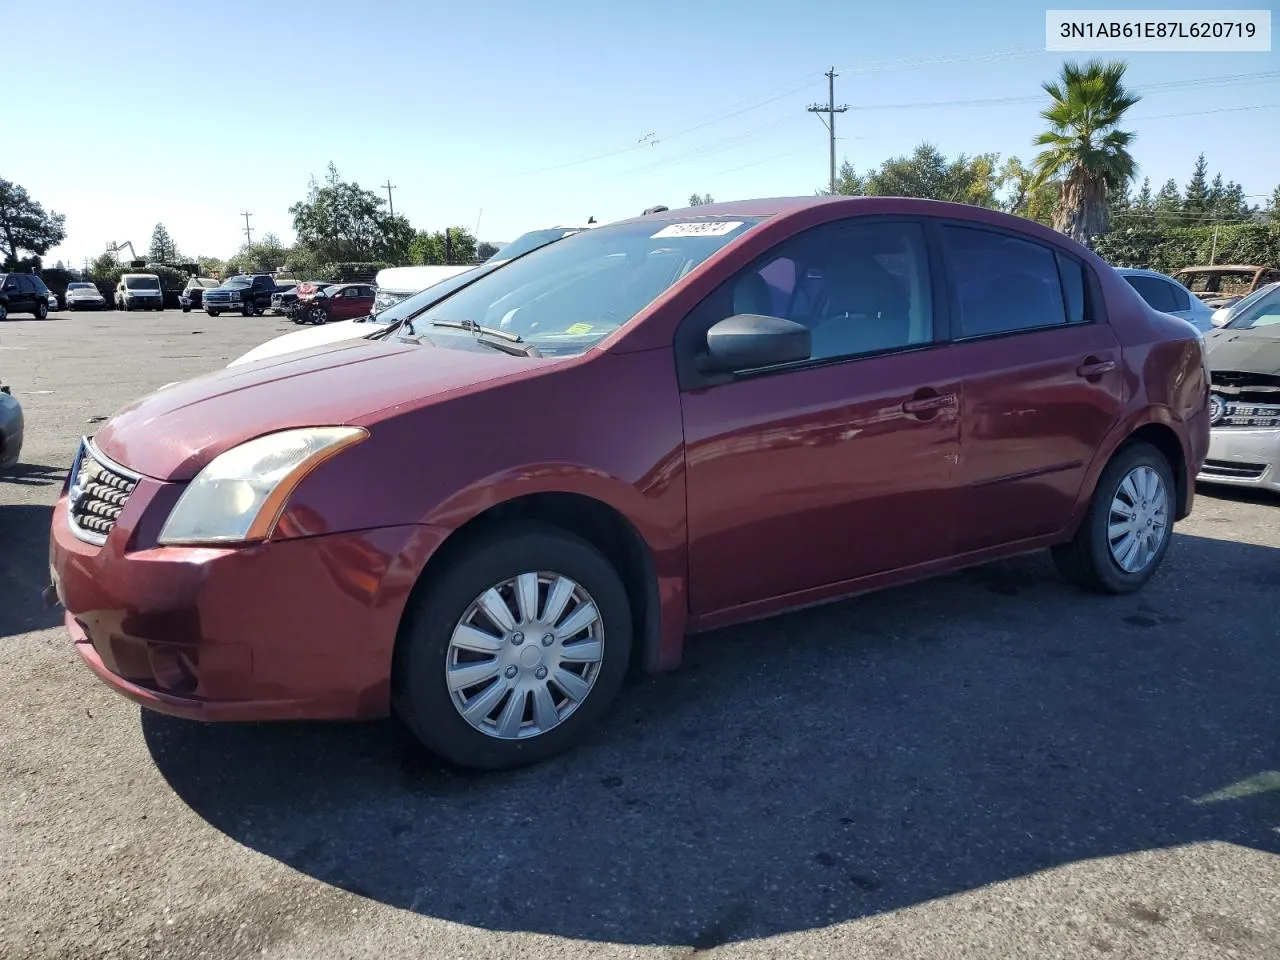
column 986, row 765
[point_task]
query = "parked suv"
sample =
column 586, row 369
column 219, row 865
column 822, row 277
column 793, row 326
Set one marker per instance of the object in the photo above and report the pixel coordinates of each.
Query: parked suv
column 660, row 426
column 192, row 296
column 247, row 294
column 139, row 291
column 24, row 293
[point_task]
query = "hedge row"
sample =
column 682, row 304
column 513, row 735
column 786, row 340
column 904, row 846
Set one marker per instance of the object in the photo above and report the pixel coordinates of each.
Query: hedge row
column 1171, row 250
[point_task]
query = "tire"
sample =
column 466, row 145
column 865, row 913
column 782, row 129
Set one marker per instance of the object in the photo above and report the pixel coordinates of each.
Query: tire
column 318, row 317
column 1087, row 560
column 41, row 312
column 421, row 694
column 4, row 311
column 213, row 313
column 186, row 309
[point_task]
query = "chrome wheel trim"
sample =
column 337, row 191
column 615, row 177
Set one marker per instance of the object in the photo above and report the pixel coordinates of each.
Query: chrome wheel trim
column 1138, row 521
column 525, row 655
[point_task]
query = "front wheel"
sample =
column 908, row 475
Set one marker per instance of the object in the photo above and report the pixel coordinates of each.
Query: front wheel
column 213, row 313
column 515, row 651
column 4, row 311
column 41, row 311
column 318, row 316
column 1128, row 527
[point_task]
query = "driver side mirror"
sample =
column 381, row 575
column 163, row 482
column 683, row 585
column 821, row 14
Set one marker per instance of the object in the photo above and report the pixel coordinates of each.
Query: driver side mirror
column 750, row 340
column 1220, row 316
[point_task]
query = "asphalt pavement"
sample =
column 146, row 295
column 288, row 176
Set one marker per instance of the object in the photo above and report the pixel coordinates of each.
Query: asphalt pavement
column 987, row 765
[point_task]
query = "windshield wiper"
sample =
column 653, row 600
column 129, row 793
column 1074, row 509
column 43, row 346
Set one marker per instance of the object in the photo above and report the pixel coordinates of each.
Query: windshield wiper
column 477, row 328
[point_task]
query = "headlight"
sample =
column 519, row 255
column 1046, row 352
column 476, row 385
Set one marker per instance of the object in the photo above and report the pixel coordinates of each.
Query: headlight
column 235, row 296
column 240, row 494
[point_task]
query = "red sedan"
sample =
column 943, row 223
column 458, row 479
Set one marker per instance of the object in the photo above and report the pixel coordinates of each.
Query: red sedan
column 343, row 301
column 656, row 427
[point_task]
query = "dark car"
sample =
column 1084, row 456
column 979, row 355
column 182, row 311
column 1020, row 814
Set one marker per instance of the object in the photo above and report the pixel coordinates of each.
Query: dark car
column 24, row 293
column 655, row 427
column 11, row 429
column 192, row 296
column 338, row 301
column 244, row 293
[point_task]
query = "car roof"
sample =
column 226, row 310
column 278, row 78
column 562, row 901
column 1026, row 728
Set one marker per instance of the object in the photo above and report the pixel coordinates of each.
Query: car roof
column 1223, row 266
column 1142, row 272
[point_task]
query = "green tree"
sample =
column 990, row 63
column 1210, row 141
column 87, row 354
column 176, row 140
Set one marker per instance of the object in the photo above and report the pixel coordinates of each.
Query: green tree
column 454, row 245
column 1196, row 199
column 340, row 221
column 26, row 225
column 1273, row 206
column 848, row 183
column 394, row 240
column 1084, row 148
column 265, row 256
column 697, row 200
column 1144, row 201
column 163, row 249
column 212, row 267
column 927, row 173
column 1168, row 205
column 485, row 250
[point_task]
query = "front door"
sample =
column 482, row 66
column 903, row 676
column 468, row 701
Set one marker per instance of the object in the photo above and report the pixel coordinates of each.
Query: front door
column 834, row 469
column 1043, row 383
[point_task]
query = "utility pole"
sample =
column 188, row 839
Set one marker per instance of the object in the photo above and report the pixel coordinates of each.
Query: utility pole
column 390, row 186
column 248, row 237
column 830, row 109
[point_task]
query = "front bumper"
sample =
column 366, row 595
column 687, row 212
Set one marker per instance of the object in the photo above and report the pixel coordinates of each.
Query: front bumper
column 81, row 303
column 148, row 302
column 11, row 429
column 290, row 629
column 1243, row 458
column 223, row 305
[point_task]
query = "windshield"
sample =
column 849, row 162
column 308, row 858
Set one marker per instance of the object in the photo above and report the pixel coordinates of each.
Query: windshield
column 566, row 297
column 1264, row 311
column 81, row 286
column 532, row 241
column 142, row 283
column 411, row 306
column 239, row 282
column 207, row 284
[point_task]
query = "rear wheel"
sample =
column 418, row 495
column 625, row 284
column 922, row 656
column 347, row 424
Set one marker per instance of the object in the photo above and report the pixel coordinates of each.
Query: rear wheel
column 41, row 311
column 515, row 652
column 4, row 311
column 1128, row 527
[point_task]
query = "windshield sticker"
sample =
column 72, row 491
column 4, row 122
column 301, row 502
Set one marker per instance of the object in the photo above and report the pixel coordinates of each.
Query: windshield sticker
column 578, row 328
column 706, row 228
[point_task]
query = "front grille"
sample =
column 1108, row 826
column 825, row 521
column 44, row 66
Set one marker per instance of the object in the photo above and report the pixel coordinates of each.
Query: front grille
column 1237, row 414
column 1233, row 469
column 98, row 492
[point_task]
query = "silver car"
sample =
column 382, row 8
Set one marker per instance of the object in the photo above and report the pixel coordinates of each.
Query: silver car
column 1167, row 295
column 1244, row 400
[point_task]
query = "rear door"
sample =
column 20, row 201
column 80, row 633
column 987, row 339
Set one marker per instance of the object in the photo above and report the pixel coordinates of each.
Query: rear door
column 26, row 295
column 1042, row 381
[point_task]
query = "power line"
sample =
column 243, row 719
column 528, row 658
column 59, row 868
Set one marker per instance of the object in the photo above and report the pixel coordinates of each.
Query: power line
column 830, row 110
column 390, row 186
column 248, row 237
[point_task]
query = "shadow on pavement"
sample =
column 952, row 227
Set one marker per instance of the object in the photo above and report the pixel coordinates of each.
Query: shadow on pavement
column 33, row 475
column 807, row 770
column 24, row 568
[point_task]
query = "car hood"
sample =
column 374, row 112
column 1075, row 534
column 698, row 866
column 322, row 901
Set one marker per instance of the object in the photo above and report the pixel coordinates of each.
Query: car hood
column 1244, row 351
column 305, row 339
column 173, row 433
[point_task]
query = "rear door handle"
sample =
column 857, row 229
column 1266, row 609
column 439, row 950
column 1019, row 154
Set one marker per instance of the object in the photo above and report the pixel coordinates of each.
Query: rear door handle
column 1093, row 368
column 927, row 404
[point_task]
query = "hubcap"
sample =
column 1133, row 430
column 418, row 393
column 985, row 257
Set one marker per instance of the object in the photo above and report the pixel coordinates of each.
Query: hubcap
column 511, row 689
column 1139, row 520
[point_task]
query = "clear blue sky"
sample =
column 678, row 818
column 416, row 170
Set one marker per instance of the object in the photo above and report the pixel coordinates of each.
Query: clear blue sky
column 164, row 111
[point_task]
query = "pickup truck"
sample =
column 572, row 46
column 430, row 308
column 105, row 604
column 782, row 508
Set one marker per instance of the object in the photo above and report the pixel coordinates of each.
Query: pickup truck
column 250, row 295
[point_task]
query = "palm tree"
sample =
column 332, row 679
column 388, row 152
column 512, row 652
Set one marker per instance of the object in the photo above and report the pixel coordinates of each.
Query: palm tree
column 1084, row 151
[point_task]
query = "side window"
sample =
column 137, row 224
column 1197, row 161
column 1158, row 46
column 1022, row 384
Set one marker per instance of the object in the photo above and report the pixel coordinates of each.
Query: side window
column 25, row 285
column 860, row 287
column 1181, row 299
column 1071, row 271
column 1003, row 284
column 1154, row 291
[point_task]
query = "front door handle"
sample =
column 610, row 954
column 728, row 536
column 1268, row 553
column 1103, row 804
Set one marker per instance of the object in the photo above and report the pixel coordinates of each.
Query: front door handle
column 938, row 401
column 1093, row 368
